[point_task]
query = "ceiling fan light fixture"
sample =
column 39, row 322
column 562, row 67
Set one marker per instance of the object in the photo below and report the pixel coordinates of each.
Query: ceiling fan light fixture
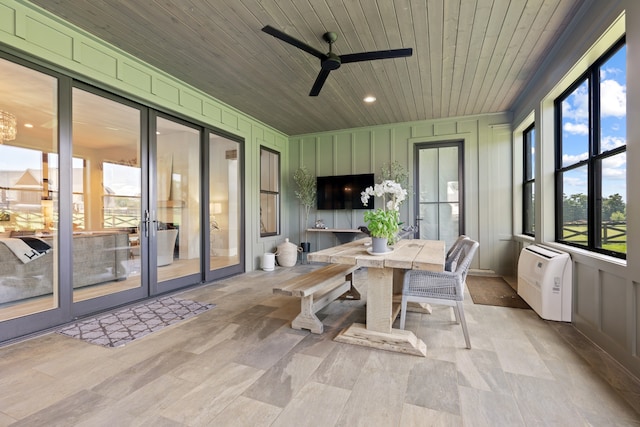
column 369, row 99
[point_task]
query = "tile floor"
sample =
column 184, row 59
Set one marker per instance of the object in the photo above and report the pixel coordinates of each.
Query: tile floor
column 241, row 364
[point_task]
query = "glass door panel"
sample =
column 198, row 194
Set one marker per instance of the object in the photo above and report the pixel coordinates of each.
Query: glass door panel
column 107, row 188
column 177, row 227
column 28, row 191
column 439, row 170
column 224, row 203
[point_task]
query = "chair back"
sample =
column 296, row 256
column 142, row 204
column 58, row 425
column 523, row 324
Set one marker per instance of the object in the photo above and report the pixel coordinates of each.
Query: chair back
column 467, row 252
column 456, row 244
column 453, row 255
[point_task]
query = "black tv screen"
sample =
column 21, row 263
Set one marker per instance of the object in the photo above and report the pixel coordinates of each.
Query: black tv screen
column 343, row 191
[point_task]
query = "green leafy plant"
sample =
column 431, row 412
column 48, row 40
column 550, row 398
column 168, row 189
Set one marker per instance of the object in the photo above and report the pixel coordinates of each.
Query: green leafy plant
column 306, row 192
column 382, row 223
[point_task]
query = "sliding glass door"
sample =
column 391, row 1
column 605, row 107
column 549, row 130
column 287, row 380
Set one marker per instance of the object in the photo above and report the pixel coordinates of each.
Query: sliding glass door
column 104, row 201
column 28, row 192
column 107, row 204
column 175, row 227
column 225, row 207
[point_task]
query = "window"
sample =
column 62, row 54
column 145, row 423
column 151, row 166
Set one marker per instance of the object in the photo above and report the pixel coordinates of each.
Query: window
column 269, row 192
column 528, row 190
column 591, row 157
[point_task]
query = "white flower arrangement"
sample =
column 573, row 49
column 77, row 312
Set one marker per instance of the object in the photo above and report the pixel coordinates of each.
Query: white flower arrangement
column 384, row 222
column 386, row 187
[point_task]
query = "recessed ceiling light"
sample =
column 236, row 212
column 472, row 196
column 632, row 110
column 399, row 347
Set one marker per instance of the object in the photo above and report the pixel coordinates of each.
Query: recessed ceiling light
column 28, row 125
column 369, row 99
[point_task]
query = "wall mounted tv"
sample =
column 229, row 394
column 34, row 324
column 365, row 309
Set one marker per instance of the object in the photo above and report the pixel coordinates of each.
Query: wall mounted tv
column 343, row 191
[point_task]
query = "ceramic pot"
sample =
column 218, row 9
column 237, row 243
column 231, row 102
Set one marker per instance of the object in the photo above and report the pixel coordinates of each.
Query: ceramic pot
column 379, row 245
column 268, row 261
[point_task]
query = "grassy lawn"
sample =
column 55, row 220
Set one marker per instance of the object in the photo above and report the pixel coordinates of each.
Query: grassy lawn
column 577, row 233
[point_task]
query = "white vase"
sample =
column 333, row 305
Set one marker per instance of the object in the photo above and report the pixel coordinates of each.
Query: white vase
column 379, row 245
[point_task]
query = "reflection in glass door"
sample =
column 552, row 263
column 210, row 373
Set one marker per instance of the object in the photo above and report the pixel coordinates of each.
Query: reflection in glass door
column 440, row 191
column 175, row 221
column 225, row 195
column 106, row 197
column 28, row 192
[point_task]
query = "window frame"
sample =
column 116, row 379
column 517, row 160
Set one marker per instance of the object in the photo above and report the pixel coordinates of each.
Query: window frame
column 270, row 192
column 528, row 179
column 594, row 156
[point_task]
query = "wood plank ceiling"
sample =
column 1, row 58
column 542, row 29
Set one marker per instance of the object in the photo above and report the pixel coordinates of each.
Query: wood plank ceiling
column 469, row 56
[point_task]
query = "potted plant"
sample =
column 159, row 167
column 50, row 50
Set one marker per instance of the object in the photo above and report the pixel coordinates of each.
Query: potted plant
column 384, row 223
column 306, row 193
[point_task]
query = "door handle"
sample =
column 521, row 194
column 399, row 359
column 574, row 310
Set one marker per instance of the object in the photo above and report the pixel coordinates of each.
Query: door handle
column 145, row 223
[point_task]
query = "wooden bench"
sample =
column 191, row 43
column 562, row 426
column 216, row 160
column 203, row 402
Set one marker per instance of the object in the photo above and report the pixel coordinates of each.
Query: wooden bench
column 316, row 290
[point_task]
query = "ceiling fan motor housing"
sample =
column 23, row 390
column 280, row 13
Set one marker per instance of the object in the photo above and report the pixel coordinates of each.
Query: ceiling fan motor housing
column 332, row 62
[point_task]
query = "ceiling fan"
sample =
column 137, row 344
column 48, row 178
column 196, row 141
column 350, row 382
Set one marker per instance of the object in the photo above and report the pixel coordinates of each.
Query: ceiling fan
column 330, row 61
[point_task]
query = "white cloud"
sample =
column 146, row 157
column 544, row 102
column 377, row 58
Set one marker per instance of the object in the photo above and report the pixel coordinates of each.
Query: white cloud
column 618, row 162
column 611, row 142
column 576, row 106
column 617, row 174
column 571, row 159
column 613, row 99
column 576, row 128
column 605, row 72
column 579, row 184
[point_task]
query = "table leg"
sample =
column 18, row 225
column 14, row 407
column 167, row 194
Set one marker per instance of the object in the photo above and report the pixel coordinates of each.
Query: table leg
column 378, row 332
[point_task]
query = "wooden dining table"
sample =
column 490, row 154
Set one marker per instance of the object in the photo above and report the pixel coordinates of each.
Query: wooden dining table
column 383, row 301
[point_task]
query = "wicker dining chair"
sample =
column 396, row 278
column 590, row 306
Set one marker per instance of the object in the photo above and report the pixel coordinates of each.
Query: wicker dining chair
column 445, row 288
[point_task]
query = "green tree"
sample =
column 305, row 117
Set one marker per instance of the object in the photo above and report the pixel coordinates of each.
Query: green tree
column 574, row 207
column 614, row 205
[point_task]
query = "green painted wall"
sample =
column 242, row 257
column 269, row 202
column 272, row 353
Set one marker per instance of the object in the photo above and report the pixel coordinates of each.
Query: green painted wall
column 487, row 168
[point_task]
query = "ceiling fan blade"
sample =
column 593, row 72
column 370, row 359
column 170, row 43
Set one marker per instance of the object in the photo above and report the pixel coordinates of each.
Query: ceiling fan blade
column 322, row 77
column 379, row 54
column 293, row 41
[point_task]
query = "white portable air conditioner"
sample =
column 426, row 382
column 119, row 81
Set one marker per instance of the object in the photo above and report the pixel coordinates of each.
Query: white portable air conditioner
column 545, row 281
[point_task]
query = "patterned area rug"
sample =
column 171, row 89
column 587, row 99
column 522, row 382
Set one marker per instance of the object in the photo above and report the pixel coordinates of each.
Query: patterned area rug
column 487, row 290
column 123, row 326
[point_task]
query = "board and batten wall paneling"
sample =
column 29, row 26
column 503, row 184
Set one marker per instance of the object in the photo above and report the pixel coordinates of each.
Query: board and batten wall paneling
column 495, row 199
column 487, row 140
column 614, row 307
column 361, row 152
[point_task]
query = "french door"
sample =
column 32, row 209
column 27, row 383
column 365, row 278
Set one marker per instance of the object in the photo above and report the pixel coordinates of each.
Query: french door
column 104, row 201
column 439, row 183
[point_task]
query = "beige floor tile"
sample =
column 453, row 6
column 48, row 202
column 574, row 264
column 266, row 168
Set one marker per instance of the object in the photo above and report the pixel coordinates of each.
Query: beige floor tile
column 420, row 416
column 241, row 364
column 304, row 410
column 246, row 412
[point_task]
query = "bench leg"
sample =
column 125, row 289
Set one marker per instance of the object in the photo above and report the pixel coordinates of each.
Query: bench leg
column 307, row 318
column 352, row 293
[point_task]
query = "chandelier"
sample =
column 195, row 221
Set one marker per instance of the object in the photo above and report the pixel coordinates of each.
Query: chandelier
column 8, row 126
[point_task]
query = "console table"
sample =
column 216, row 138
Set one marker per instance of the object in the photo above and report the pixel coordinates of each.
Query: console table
column 344, row 235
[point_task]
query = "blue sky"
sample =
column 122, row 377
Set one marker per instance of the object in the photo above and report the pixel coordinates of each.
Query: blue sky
column 575, row 128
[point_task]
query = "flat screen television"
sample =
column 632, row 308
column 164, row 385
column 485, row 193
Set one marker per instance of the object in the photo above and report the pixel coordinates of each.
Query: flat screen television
column 343, row 191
